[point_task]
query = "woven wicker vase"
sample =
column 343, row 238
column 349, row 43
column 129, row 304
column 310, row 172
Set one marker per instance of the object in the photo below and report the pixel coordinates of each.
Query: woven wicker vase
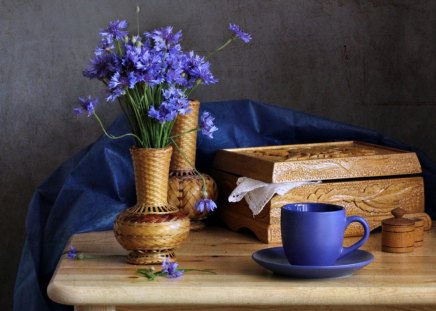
column 151, row 229
column 185, row 187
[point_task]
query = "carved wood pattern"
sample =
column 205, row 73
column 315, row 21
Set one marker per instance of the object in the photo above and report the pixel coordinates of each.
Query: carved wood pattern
column 314, row 152
column 343, row 168
column 366, row 198
column 322, row 161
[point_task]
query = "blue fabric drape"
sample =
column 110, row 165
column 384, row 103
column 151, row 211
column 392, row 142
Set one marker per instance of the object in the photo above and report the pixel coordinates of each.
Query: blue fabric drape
column 87, row 192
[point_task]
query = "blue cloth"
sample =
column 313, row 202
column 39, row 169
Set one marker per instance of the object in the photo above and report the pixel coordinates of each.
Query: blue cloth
column 89, row 190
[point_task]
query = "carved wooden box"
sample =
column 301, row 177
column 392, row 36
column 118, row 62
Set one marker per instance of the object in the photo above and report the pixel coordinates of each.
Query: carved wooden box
column 368, row 180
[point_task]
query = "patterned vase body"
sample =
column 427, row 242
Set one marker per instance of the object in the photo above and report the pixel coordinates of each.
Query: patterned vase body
column 151, row 229
column 185, row 187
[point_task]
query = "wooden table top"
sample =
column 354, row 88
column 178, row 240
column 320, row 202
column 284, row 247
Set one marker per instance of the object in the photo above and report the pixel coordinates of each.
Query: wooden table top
column 390, row 280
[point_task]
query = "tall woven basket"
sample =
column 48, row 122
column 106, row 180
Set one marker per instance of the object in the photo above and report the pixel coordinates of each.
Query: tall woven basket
column 185, row 187
column 151, row 229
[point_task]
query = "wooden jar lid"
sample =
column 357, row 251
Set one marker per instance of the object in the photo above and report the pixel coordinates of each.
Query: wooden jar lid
column 398, row 219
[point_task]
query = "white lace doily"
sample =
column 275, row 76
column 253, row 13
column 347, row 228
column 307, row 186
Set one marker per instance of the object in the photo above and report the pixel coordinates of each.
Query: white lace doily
column 258, row 193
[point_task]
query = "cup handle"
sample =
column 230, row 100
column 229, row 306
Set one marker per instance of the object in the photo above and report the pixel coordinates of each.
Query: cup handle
column 346, row 250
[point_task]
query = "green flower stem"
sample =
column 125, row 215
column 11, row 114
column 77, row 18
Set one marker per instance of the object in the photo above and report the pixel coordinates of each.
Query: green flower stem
column 221, row 47
column 166, row 133
column 142, row 131
column 138, row 9
column 120, row 52
column 184, row 133
column 82, row 256
column 151, row 275
column 112, row 136
column 190, row 164
column 127, row 113
column 197, row 83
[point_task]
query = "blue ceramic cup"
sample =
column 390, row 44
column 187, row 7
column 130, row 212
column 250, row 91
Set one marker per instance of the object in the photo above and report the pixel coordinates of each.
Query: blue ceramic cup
column 313, row 233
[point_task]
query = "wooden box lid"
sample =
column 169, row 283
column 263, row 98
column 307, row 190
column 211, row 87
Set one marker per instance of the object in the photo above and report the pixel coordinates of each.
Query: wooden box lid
column 319, row 161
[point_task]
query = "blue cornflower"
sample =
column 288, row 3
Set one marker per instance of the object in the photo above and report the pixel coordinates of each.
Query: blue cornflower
column 102, row 67
column 117, row 81
column 132, row 79
column 118, row 84
column 164, row 37
column 172, row 92
column 115, row 93
column 175, row 76
column 238, row 32
column 132, row 56
column 174, row 64
column 104, row 48
column 170, row 269
column 72, row 252
column 145, row 59
column 177, row 99
column 205, row 204
column 182, row 105
column 197, row 68
column 115, row 31
column 165, row 113
column 203, row 73
column 206, row 124
column 86, row 104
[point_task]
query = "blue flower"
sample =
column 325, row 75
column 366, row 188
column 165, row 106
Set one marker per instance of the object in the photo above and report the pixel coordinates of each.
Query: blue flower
column 206, row 124
column 72, row 252
column 164, row 38
column 182, row 105
column 132, row 79
column 115, row 93
column 104, row 48
column 205, row 205
column 166, row 112
column 131, row 56
column 175, row 76
column 86, row 104
column 115, row 31
column 116, row 81
column 102, row 67
column 118, row 84
column 197, row 68
column 170, row 269
column 238, row 32
column 172, row 92
column 177, row 99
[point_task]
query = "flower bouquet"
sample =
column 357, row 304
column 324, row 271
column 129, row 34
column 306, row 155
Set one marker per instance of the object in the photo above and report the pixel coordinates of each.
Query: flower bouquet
column 152, row 78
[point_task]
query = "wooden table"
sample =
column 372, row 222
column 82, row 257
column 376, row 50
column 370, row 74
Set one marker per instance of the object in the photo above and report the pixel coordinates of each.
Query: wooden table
column 391, row 282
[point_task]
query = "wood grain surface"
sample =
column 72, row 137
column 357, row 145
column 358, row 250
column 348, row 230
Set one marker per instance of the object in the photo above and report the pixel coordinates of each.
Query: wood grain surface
column 319, row 161
column 391, row 282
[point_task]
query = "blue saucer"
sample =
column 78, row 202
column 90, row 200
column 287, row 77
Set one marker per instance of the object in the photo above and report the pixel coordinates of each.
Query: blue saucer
column 274, row 259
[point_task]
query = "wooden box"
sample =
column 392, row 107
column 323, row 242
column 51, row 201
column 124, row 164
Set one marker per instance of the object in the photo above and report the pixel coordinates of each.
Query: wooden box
column 368, row 180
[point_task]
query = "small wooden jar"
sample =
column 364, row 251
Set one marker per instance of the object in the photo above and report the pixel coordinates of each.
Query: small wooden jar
column 398, row 234
column 419, row 231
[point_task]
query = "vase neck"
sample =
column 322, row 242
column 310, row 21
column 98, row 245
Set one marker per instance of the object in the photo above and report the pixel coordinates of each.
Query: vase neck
column 186, row 142
column 151, row 167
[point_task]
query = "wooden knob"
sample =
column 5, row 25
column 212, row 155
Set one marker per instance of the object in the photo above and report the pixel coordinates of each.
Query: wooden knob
column 398, row 212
